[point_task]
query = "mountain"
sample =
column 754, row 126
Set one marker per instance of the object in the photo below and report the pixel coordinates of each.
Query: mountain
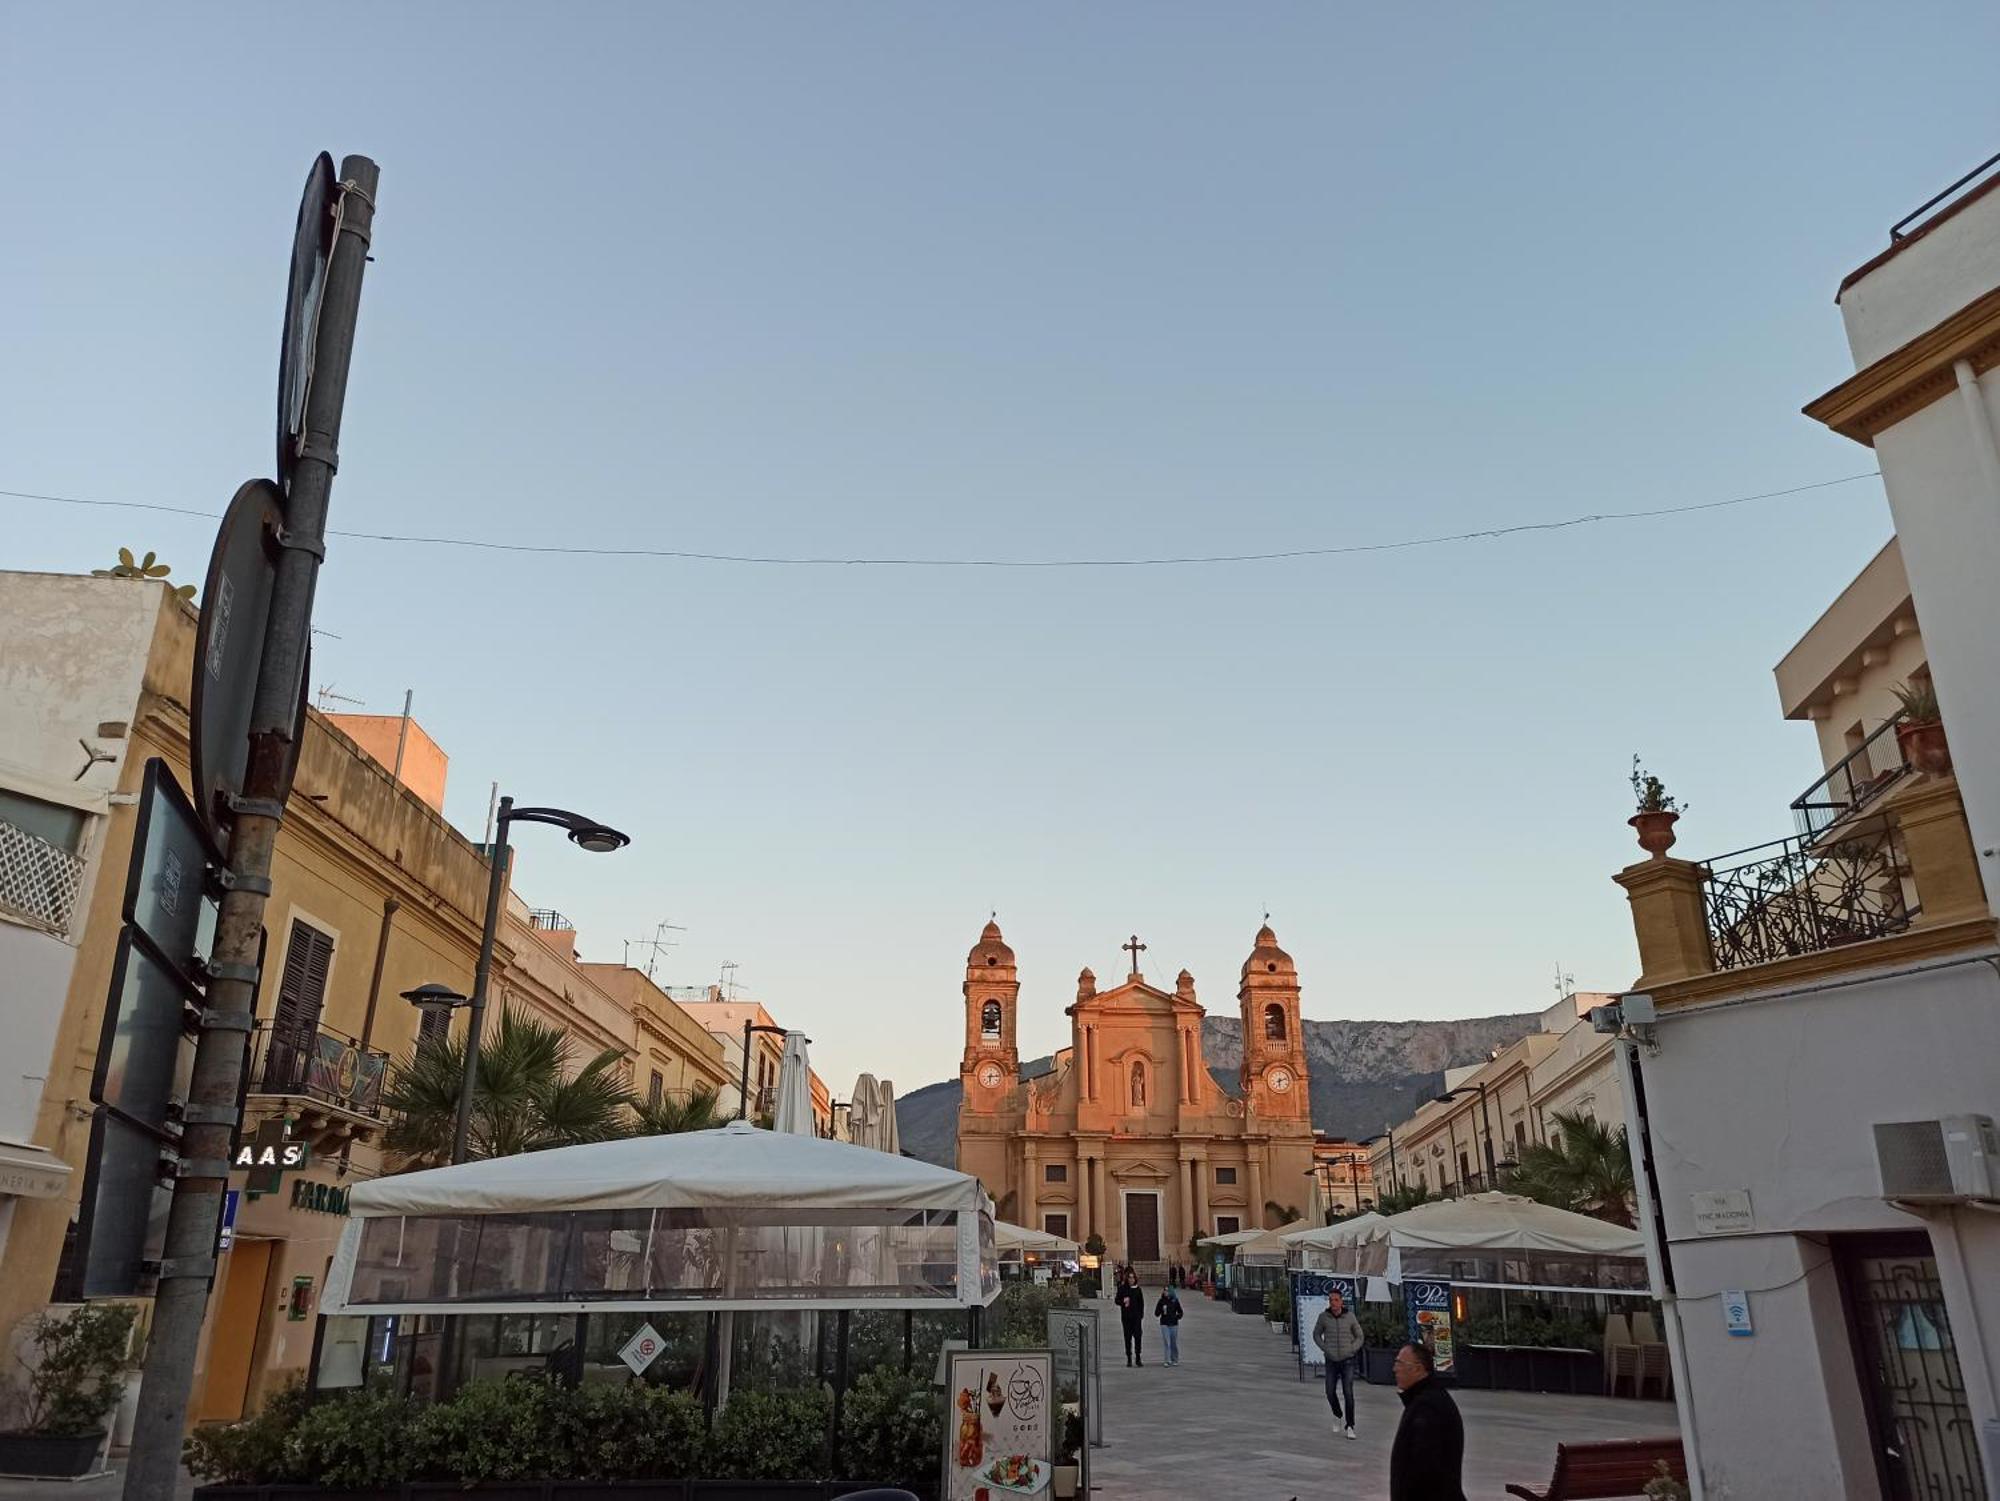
column 1364, row 1074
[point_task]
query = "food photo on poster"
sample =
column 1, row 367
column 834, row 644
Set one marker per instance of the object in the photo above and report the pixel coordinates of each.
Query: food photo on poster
column 1000, row 1439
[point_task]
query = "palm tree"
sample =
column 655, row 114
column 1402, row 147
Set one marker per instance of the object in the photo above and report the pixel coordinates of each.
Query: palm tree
column 1287, row 1213
column 1396, row 1200
column 1586, row 1168
column 528, row 1097
column 698, row 1110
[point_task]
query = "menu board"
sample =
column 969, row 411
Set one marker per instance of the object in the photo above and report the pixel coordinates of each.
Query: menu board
column 999, row 1436
column 1429, row 1305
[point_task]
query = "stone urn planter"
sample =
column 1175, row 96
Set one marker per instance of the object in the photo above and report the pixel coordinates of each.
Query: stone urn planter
column 1064, row 1482
column 1656, row 831
column 1923, row 745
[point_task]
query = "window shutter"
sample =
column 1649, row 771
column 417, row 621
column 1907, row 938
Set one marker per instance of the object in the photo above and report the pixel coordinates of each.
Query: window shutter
column 302, row 987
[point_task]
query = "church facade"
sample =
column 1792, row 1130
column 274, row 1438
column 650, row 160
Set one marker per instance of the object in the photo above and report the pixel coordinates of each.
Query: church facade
column 1129, row 1136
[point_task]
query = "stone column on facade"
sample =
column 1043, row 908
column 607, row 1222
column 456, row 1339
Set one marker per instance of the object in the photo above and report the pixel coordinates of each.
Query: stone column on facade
column 1187, row 1217
column 1097, row 1199
column 1256, row 1214
column 1938, row 845
column 1202, row 1222
column 1031, row 1186
column 1668, row 918
column 1083, row 1221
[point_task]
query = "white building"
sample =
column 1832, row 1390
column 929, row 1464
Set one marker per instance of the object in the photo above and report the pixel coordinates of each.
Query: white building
column 1833, row 1336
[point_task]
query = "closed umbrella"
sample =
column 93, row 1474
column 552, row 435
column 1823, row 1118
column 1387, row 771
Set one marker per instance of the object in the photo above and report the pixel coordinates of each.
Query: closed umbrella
column 862, row 1124
column 794, row 1116
column 887, row 1137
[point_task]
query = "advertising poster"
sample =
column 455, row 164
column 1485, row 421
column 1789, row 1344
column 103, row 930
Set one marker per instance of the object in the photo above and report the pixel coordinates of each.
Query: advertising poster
column 999, row 1437
column 1065, row 1327
column 1430, row 1320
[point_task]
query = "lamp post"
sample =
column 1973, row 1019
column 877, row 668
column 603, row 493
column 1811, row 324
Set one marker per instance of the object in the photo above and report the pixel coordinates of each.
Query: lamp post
column 1388, row 1135
column 1485, row 1120
column 585, row 833
column 743, row 1095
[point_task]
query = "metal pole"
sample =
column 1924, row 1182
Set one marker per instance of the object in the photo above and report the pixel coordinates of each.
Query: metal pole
column 743, row 1095
column 214, row 1112
column 1395, row 1176
column 403, row 733
column 496, row 896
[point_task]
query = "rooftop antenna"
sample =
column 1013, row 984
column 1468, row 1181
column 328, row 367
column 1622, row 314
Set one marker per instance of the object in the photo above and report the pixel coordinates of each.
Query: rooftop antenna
column 658, row 941
column 1565, row 982
column 728, row 980
column 325, row 695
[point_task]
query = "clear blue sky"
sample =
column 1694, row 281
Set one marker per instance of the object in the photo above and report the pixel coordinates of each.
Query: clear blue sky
column 1018, row 281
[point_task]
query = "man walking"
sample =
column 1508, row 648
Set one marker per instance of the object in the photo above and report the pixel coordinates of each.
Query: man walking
column 1340, row 1338
column 1427, row 1461
column 1131, row 1315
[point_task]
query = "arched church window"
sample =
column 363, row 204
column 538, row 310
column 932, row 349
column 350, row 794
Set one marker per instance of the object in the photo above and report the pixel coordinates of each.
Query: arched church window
column 1274, row 1023
column 989, row 1019
column 1138, row 1084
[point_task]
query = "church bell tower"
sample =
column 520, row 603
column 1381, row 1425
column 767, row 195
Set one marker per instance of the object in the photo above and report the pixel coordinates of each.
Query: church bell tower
column 1274, row 1044
column 991, row 1066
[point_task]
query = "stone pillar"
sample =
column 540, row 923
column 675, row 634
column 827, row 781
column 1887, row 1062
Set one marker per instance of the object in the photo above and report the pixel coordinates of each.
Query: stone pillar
column 1031, row 1186
column 1097, row 1199
column 1256, row 1215
column 1083, row 1221
column 1669, row 920
column 1202, row 1221
column 1938, row 845
column 1187, row 1217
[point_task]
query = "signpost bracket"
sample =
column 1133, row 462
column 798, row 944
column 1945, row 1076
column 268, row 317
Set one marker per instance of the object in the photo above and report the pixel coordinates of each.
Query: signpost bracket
column 232, row 1021
column 188, row 1266
column 286, row 537
column 229, row 880
column 203, row 1167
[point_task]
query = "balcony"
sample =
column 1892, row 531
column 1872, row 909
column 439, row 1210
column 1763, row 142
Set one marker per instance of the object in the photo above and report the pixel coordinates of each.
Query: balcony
column 1856, row 780
column 1895, row 885
column 1803, row 895
column 331, row 1083
column 549, row 920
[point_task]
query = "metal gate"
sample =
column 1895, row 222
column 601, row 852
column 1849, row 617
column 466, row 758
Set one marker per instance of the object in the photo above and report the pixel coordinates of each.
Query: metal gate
column 1925, row 1446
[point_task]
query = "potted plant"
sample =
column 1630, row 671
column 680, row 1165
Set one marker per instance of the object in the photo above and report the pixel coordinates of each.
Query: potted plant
column 1276, row 1309
column 1657, row 814
column 1069, row 1467
column 78, row 1377
column 1920, row 734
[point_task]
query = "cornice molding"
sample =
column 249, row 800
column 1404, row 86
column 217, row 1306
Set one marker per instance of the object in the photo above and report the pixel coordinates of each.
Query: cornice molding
column 1857, row 961
column 1909, row 379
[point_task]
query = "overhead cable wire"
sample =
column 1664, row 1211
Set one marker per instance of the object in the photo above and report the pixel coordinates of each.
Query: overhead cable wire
column 411, row 539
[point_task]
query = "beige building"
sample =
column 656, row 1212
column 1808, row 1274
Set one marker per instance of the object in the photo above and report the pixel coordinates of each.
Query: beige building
column 1488, row 1113
column 724, row 1021
column 373, row 893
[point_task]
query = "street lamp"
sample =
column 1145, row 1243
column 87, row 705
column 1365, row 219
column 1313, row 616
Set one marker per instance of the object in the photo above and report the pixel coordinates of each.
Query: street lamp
column 585, row 833
column 434, row 999
column 743, row 1100
column 1492, row 1171
column 1388, row 1135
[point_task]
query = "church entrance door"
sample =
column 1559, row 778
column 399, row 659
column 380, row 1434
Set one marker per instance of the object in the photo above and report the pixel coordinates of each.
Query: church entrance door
column 1142, row 1226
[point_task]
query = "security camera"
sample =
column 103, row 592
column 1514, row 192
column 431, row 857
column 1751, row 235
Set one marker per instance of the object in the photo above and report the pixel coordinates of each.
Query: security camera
column 1607, row 1019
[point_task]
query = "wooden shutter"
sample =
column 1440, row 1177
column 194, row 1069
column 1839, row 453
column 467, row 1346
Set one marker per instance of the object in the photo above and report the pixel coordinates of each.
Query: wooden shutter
column 302, row 986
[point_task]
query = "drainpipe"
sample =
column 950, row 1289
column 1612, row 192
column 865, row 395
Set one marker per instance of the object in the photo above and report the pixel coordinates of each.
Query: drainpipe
column 390, row 906
column 1659, row 1256
column 1982, row 427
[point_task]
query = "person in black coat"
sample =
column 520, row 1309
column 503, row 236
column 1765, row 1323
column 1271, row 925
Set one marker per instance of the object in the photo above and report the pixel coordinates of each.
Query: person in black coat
column 1131, row 1314
column 1428, row 1459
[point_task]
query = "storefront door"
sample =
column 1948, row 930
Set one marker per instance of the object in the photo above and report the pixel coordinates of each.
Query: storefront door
column 1918, row 1414
column 232, row 1347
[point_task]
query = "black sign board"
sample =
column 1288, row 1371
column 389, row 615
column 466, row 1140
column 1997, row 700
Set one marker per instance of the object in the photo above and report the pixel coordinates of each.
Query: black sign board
column 146, row 1051
column 121, row 1228
column 229, row 649
column 170, row 883
column 312, row 244
column 269, row 1154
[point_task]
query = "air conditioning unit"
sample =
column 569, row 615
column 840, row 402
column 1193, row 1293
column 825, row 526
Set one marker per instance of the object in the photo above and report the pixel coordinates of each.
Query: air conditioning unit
column 1939, row 1162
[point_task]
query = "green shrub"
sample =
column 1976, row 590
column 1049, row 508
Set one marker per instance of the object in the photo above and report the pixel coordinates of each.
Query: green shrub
column 516, row 1429
column 1383, row 1328
column 356, row 1442
column 1277, row 1306
column 1019, row 1318
column 894, row 1428
column 633, row 1432
column 771, row 1436
column 251, row 1452
column 79, row 1373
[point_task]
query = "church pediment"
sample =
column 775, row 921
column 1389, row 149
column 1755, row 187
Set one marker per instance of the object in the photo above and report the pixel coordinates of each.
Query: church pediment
column 1136, row 995
column 1128, row 1171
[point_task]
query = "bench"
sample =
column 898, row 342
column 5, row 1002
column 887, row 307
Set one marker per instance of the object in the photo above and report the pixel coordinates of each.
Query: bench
column 1614, row 1467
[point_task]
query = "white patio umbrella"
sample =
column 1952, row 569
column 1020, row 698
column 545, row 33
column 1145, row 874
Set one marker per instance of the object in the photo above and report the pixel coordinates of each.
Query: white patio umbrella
column 887, row 1137
column 863, row 1124
column 793, row 1116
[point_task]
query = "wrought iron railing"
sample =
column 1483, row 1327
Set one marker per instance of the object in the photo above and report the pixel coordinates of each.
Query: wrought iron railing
column 1856, row 780
column 1801, row 896
column 319, row 1065
column 548, row 919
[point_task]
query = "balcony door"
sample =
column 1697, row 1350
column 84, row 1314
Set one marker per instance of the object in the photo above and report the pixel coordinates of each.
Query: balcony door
column 301, row 1000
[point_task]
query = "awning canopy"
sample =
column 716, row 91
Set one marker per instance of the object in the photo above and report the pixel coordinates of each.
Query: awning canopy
column 1484, row 1239
column 1233, row 1238
column 1014, row 1242
column 1267, row 1247
column 734, row 1218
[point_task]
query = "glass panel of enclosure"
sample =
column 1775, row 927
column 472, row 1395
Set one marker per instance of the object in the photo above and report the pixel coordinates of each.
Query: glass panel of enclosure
column 1527, row 1268
column 610, row 1255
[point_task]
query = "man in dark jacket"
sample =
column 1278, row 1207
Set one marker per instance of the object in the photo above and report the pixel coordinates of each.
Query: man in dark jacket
column 1131, row 1314
column 1427, row 1461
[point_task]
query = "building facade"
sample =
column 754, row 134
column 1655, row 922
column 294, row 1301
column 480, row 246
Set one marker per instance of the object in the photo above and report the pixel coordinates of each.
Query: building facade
column 1808, row 1004
column 1129, row 1136
column 724, row 1021
column 373, row 893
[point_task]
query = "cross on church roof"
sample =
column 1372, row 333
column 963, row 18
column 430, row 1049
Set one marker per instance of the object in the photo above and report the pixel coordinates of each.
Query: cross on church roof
column 1135, row 949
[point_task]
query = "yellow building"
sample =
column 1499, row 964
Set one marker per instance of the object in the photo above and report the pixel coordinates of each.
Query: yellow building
column 373, row 893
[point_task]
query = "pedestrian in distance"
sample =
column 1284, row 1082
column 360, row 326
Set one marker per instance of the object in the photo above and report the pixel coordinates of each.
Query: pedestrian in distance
column 1132, row 1315
column 1168, row 1312
column 1340, row 1338
column 1427, row 1461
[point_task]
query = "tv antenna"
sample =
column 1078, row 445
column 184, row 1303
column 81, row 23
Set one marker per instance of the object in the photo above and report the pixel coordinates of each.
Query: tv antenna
column 1565, row 982
column 326, row 696
column 727, row 984
column 653, row 945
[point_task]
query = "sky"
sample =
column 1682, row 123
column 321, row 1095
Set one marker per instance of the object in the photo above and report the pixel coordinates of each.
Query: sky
column 1017, row 283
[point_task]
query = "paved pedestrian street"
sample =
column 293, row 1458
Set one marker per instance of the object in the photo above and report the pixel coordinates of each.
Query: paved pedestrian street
column 1230, row 1423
